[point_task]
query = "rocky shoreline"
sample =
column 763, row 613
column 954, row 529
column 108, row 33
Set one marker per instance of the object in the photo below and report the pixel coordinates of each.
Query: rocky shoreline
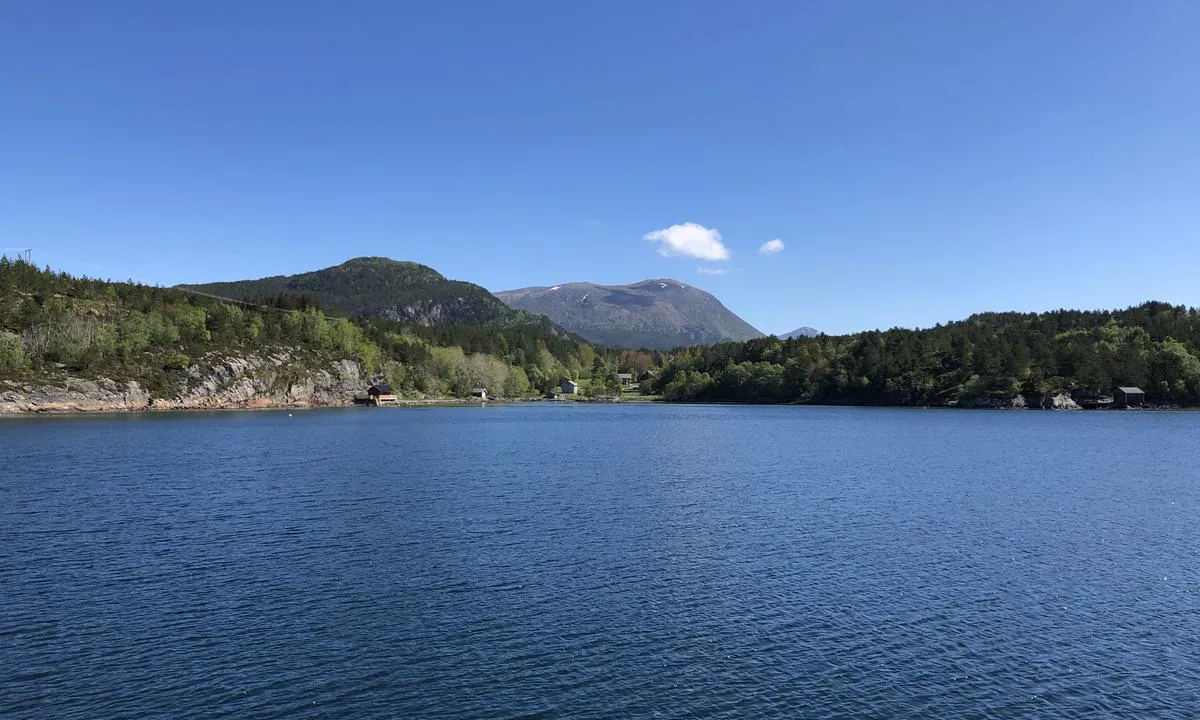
column 276, row 381
column 1060, row 401
column 216, row 382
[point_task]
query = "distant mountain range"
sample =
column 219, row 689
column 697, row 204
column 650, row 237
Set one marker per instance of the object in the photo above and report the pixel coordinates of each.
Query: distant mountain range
column 801, row 332
column 656, row 314
column 377, row 287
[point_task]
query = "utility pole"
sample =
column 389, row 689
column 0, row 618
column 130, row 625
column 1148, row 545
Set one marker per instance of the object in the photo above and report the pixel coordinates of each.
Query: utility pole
column 21, row 253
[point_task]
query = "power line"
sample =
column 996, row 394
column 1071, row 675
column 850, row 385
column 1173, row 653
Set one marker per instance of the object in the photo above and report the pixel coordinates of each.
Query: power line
column 22, row 253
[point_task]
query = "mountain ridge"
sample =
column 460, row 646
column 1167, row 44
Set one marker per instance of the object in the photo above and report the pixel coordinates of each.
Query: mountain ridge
column 655, row 313
column 372, row 286
column 802, row 331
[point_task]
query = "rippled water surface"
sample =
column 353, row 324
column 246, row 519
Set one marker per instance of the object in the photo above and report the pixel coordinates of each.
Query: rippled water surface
column 551, row 561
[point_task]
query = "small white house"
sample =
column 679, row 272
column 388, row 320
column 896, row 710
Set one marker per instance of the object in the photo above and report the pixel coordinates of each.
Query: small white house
column 480, row 393
column 568, row 387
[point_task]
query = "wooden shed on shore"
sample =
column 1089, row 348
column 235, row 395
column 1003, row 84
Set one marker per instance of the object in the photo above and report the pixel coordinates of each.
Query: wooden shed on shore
column 1129, row 396
column 380, row 394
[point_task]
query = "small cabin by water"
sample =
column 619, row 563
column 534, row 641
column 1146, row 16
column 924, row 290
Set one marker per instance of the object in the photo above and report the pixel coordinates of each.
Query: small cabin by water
column 1129, row 396
column 568, row 387
column 480, row 393
column 380, row 394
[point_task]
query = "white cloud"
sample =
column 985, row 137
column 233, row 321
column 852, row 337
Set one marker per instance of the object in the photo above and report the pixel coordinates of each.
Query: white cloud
column 712, row 271
column 691, row 240
column 771, row 247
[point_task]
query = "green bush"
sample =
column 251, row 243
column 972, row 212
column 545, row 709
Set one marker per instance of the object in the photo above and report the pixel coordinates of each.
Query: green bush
column 12, row 352
column 175, row 360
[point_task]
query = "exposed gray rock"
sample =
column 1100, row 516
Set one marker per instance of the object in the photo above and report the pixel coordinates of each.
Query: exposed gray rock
column 1061, row 401
column 213, row 381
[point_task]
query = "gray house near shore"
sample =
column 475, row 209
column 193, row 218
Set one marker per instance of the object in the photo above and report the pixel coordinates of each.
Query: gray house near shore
column 568, row 387
column 1130, row 396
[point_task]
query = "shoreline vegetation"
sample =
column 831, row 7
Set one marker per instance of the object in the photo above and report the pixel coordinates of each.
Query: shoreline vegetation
column 78, row 344
column 1065, row 359
column 81, row 345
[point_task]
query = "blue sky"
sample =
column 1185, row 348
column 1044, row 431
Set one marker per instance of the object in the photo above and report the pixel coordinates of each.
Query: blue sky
column 919, row 161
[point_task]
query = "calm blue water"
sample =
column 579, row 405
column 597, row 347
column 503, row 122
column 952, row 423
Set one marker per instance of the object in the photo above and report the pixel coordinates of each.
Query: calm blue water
column 605, row 561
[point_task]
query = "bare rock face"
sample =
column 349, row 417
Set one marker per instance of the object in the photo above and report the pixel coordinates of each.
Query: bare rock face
column 213, row 382
column 74, row 394
column 1061, row 401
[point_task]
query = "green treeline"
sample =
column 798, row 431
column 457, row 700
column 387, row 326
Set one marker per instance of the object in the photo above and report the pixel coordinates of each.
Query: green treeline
column 1155, row 346
column 375, row 286
column 53, row 321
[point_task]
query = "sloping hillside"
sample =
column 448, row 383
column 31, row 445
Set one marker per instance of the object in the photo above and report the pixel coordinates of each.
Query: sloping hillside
column 75, row 343
column 372, row 287
column 656, row 314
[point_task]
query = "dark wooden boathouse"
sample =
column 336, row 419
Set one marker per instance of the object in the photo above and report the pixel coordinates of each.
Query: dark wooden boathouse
column 1129, row 396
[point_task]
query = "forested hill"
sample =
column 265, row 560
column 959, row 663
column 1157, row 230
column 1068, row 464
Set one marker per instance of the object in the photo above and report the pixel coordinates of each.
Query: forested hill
column 169, row 344
column 375, row 287
column 1155, row 346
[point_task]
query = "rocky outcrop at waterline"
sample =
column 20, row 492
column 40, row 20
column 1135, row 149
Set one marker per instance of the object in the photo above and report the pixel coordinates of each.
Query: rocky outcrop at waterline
column 1059, row 401
column 213, row 382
